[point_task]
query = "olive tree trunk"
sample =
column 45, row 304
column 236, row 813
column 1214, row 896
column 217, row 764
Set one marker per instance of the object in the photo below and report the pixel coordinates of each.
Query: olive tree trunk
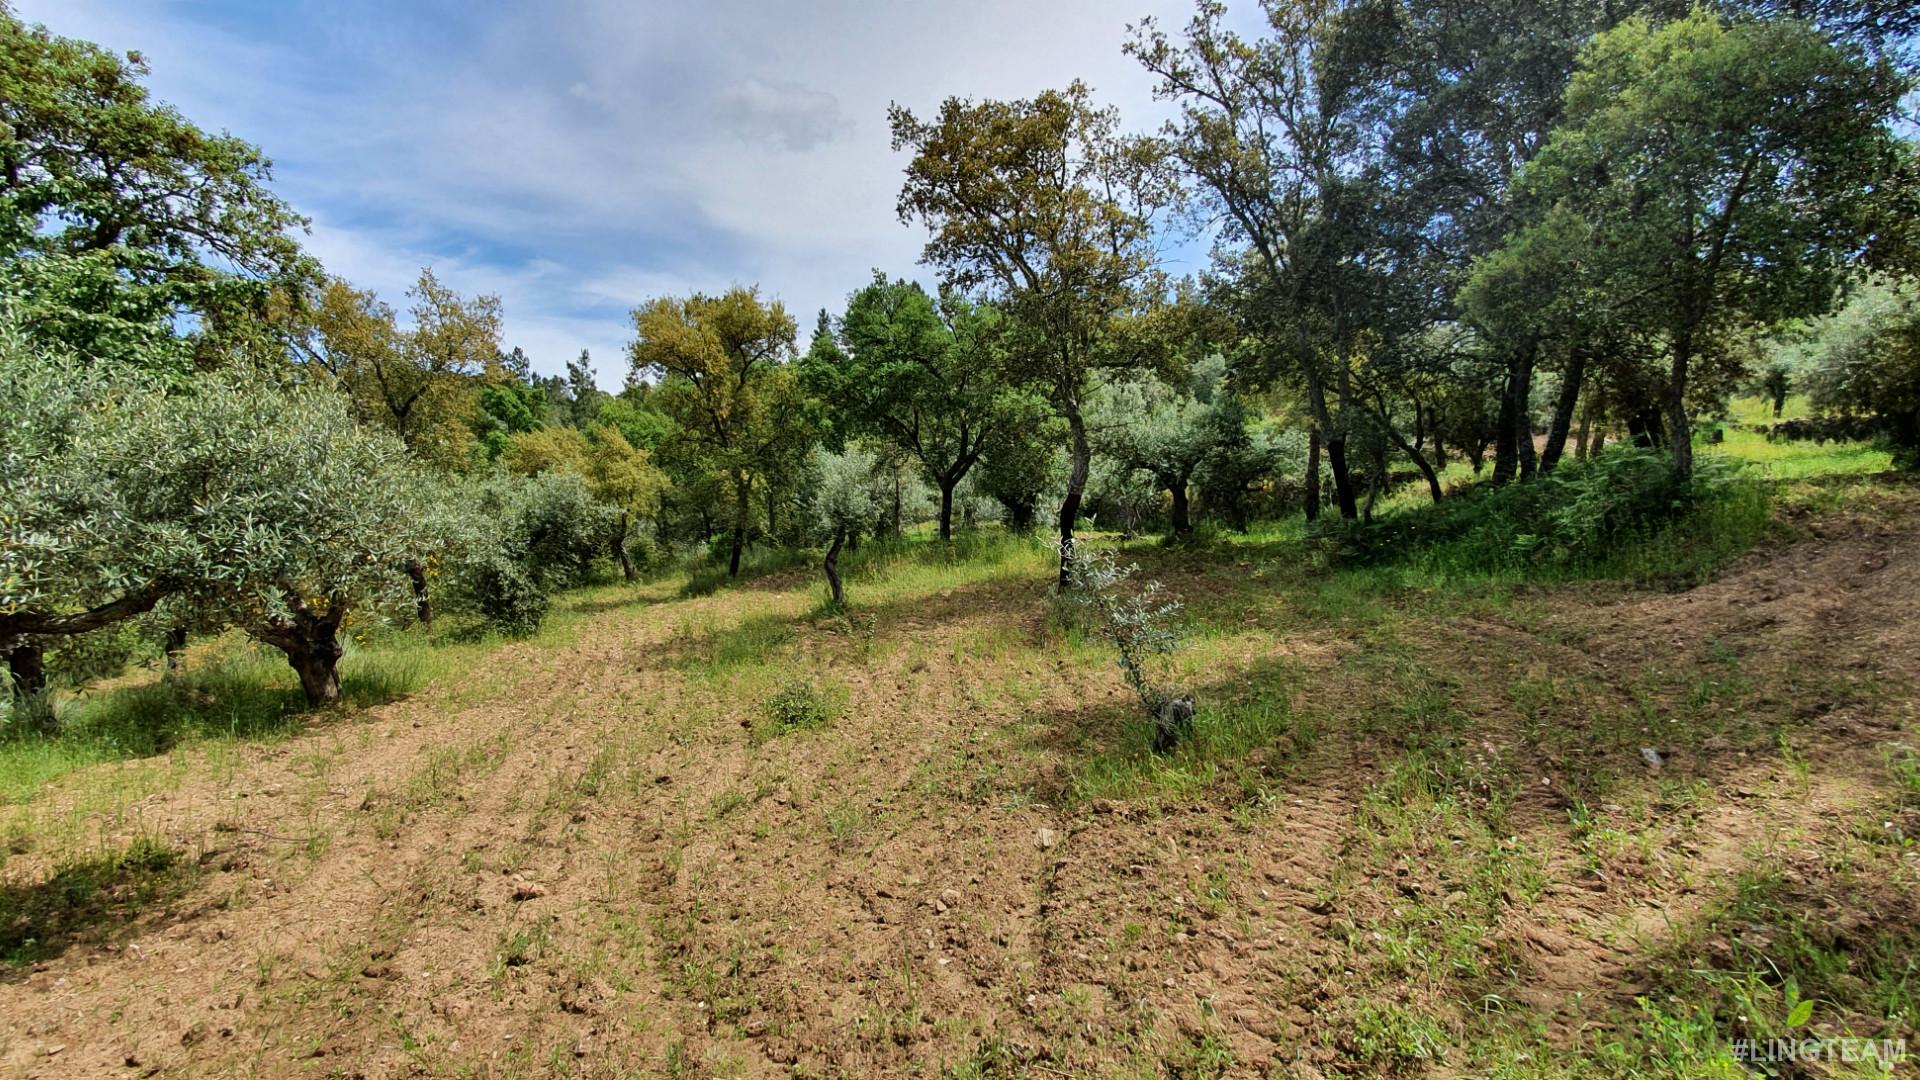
column 27, row 666
column 832, row 567
column 312, row 644
column 176, row 650
column 1076, row 486
column 1180, row 516
column 422, row 603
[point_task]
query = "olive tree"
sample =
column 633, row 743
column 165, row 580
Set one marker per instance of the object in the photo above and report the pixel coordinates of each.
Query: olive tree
column 618, row 475
column 298, row 515
column 246, row 502
column 844, row 506
column 67, row 565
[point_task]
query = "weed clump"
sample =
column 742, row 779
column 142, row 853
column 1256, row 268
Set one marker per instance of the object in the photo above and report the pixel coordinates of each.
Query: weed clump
column 799, row 705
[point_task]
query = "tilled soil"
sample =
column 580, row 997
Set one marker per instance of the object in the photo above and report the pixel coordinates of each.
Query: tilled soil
column 594, row 868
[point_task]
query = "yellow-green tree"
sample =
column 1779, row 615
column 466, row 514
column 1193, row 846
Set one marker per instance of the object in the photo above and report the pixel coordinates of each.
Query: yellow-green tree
column 726, row 382
column 618, row 474
column 1045, row 203
column 420, row 382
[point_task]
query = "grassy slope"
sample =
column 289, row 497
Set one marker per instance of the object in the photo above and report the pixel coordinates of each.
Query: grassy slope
column 737, row 834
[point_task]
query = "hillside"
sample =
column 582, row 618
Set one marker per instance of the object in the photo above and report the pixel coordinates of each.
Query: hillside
column 1417, row 834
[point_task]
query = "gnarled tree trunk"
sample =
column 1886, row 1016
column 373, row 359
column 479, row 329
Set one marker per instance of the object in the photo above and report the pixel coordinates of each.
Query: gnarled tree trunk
column 176, row 650
column 422, row 603
column 1679, row 424
column 311, row 641
column 1179, row 516
column 1563, row 409
column 27, row 666
column 1343, row 492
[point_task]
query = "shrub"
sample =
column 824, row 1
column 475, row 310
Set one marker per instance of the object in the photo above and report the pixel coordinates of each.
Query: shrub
column 522, row 539
column 507, row 594
column 1577, row 518
column 1139, row 624
column 799, row 705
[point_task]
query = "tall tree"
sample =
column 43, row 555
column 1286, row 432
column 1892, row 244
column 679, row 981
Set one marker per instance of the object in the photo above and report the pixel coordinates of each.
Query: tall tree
column 1272, row 134
column 725, row 381
column 926, row 375
column 583, row 389
column 420, row 382
column 1043, row 201
column 118, row 215
column 1725, row 170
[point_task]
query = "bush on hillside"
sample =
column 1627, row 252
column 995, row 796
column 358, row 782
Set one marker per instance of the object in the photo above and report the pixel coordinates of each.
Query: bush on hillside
column 1577, row 515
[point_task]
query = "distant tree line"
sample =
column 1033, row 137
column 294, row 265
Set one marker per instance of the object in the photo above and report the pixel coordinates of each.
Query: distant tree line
column 1452, row 242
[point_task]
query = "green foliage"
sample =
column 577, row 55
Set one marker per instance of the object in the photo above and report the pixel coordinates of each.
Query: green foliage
column 846, row 503
column 419, row 382
column 1708, row 176
column 509, row 408
column 1138, row 622
column 1022, row 462
column 524, row 539
column 247, row 499
column 1864, row 360
column 740, row 419
column 642, row 424
column 117, row 214
column 800, row 705
column 1578, row 519
column 926, row 375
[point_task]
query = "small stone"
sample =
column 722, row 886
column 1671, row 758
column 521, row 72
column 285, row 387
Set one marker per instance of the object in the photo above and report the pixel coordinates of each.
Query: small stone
column 1045, row 839
column 54, row 1049
column 1652, row 757
column 528, row 890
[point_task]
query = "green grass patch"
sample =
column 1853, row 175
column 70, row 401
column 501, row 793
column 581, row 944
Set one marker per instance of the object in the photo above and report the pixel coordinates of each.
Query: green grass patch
column 800, row 705
column 1243, row 741
column 239, row 692
column 87, row 900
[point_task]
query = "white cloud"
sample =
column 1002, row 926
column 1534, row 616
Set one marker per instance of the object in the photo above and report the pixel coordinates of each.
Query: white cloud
column 580, row 157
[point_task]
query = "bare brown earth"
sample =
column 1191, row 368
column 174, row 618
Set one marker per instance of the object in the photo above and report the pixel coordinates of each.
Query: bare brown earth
column 580, row 860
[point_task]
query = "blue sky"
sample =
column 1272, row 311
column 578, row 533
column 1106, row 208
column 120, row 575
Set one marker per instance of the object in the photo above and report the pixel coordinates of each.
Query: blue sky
column 580, row 157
